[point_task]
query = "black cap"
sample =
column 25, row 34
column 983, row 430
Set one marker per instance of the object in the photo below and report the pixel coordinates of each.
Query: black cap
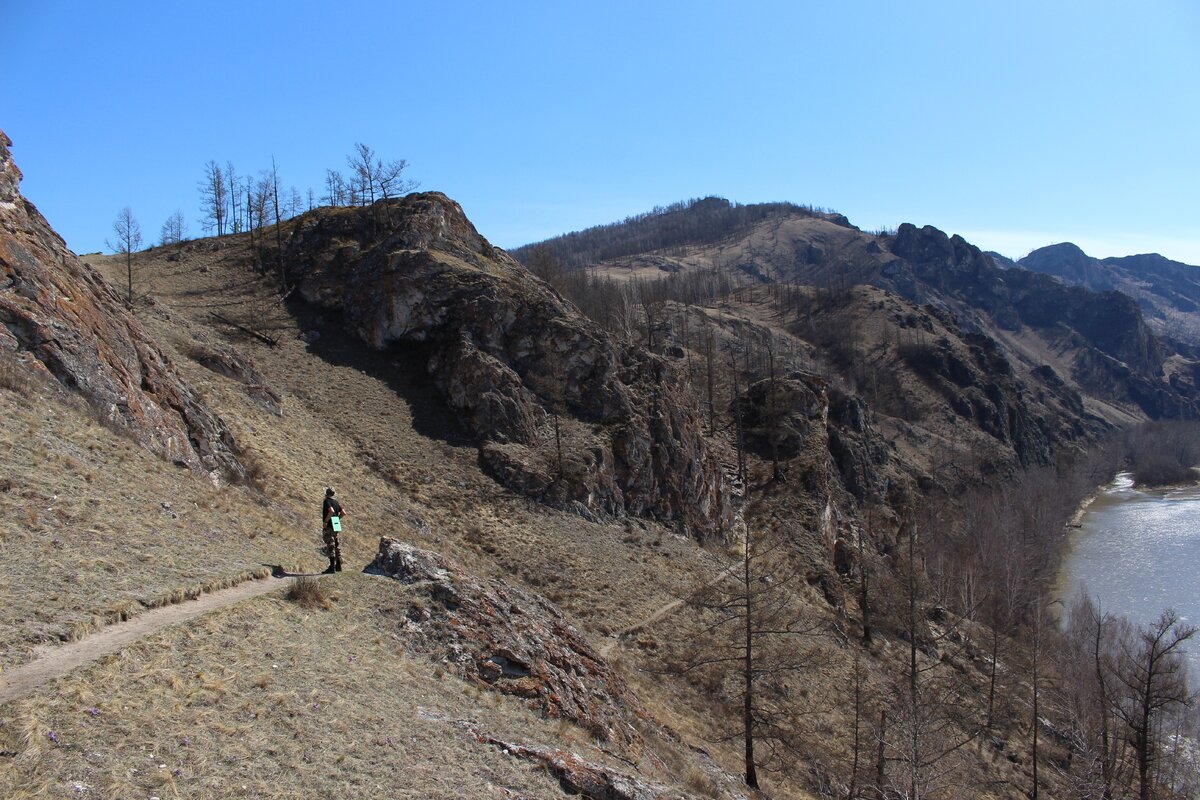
column 329, row 491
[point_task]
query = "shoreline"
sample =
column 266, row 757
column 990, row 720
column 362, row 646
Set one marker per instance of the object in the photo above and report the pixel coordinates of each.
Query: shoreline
column 1076, row 520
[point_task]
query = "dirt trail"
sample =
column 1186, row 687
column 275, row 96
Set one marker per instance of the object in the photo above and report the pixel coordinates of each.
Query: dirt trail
column 54, row 661
column 739, row 527
column 616, row 636
column 656, row 615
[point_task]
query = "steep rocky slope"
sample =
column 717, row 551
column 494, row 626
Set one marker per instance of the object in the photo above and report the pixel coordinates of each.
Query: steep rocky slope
column 1098, row 343
column 1167, row 291
column 543, row 633
column 522, row 367
column 59, row 317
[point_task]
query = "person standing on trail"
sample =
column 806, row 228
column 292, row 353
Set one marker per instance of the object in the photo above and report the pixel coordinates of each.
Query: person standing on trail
column 331, row 516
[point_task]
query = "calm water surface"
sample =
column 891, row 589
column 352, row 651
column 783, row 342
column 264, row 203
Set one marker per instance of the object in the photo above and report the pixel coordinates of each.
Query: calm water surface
column 1138, row 552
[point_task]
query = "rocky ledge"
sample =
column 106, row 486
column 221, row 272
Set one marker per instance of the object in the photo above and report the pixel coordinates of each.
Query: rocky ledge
column 515, row 642
column 579, row 776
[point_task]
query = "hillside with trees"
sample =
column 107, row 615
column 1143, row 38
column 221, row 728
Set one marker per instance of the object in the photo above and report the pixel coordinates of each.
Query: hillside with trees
column 754, row 505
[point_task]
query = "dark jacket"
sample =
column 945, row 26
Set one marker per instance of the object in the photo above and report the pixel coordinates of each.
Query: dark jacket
column 329, row 504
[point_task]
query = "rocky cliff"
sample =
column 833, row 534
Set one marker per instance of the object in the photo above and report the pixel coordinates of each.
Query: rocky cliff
column 519, row 364
column 62, row 319
column 1114, row 354
column 1167, row 291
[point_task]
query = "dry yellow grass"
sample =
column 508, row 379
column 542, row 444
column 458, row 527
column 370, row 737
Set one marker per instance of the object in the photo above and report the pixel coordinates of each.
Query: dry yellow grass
column 308, row 593
column 400, row 468
column 93, row 529
column 269, row 700
column 286, row 701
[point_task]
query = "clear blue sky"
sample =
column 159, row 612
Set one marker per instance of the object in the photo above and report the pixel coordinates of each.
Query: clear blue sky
column 1016, row 124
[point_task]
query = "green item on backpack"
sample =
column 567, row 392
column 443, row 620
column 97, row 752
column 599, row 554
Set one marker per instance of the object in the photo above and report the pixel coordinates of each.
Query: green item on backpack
column 336, row 523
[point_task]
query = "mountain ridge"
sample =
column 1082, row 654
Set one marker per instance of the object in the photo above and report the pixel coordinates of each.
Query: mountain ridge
column 866, row 458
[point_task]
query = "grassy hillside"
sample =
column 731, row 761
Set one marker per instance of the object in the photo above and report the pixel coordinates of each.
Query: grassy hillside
column 99, row 529
column 272, row 699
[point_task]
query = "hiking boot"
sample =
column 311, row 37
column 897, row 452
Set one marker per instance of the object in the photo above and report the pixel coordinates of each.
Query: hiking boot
column 329, row 570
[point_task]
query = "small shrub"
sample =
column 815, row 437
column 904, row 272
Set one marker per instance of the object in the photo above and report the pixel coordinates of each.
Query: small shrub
column 254, row 474
column 308, row 593
column 701, row 782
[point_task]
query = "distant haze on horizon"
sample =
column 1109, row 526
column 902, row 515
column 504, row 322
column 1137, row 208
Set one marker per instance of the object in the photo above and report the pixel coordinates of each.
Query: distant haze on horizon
column 1016, row 126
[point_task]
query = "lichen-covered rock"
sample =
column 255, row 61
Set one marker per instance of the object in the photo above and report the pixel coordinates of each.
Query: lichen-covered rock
column 582, row 777
column 516, row 642
column 506, row 351
column 61, row 312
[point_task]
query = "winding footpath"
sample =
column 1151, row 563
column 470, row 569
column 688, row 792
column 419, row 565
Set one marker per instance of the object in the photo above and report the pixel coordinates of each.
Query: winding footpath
column 54, row 661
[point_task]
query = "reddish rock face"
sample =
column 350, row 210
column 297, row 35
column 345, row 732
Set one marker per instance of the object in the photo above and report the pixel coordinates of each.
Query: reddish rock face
column 516, row 642
column 72, row 325
column 505, row 351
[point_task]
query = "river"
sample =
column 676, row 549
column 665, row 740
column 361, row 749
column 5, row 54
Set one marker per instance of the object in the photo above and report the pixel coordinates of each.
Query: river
column 1138, row 552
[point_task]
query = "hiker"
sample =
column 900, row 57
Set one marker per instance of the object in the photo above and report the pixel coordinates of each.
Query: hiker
column 331, row 516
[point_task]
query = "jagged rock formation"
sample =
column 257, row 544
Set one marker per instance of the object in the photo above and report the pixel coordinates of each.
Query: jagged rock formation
column 817, row 432
column 514, row 641
column 1167, row 291
column 508, row 354
column 65, row 321
column 1115, row 354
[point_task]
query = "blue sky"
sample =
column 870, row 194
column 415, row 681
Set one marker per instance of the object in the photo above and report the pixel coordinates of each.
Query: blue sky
column 1016, row 124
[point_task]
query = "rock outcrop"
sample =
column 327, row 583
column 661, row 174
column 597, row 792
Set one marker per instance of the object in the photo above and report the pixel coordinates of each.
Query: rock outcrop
column 512, row 357
column 1116, row 356
column 516, row 642
column 582, row 777
column 72, row 325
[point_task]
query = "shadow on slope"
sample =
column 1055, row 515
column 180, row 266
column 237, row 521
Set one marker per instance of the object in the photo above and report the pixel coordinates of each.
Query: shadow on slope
column 402, row 368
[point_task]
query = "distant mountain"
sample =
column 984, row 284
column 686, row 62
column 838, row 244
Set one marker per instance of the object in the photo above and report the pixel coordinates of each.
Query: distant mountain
column 1096, row 338
column 1168, row 291
column 699, row 221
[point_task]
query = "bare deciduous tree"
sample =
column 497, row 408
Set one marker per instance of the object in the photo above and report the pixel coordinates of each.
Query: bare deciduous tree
column 759, row 641
column 377, row 179
column 1153, row 670
column 214, row 198
column 274, row 178
column 174, row 230
column 336, row 191
column 128, row 239
column 547, row 266
column 235, row 203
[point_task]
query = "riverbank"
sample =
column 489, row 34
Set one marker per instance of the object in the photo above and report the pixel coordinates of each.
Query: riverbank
column 1076, row 520
column 1134, row 550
